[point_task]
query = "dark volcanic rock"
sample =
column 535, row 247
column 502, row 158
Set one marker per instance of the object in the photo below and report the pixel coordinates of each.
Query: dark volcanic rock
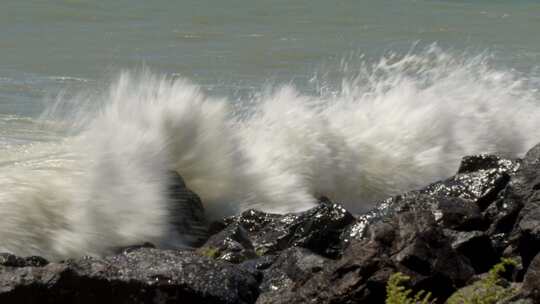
column 231, row 244
column 409, row 242
column 524, row 194
column 456, row 202
column 10, row 260
column 479, row 162
column 438, row 235
column 141, row 276
column 531, row 283
column 190, row 220
column 291, row 268
column 476, row 246
column 319, row 229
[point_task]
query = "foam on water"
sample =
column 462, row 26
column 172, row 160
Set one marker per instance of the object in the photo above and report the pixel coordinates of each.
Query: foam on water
column 396, row 125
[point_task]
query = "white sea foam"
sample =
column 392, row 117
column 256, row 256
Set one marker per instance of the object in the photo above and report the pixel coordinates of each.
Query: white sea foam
column 397, row 125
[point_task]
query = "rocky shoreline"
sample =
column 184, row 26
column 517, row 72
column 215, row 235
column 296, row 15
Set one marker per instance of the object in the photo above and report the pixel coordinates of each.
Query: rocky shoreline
column 445, row 237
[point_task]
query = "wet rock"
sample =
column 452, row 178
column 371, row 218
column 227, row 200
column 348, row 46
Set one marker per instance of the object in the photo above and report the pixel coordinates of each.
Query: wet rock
column 319, row 229
column 189, row 219
column 438, row 235
column 531, row 282
column 459, row 214
column 456, row 202
column 424, row 251
column 345, row 281
column 502, row 214
column 479, row 187
column 475, row 246
column 141, row 276
column 523, row 192
column 291, row 268
column 10, row 260
column 410, row 242
column 479, row 162
column 231, row 244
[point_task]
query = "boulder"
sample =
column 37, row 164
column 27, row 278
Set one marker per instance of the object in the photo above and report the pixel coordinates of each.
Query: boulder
column 231, row 244
column 475, row 246
column 410, row 242
column 531, row 282
column 291, row 268
column 457, row 202
column 10, row 260
column 523, row 195
column 320, row 229
column 142, row 275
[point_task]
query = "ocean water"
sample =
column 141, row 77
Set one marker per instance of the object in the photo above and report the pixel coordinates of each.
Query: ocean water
column 265, row 104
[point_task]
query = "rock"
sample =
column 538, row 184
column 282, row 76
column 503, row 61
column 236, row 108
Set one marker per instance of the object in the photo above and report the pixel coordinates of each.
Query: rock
column 410, row 242
column 531, row 282
column 10, row 260
column 479, row 162
column 476, row 246
column 439, row 235
column 232, row 245
column 502, row 215
column 348, row 280
column 291, row 268
column 425, row 252
column 457, row 201
column 480, row 187
column 459, row 214
column 523, row 193
column 319, row 229
column 143, row 275
column 190, row 219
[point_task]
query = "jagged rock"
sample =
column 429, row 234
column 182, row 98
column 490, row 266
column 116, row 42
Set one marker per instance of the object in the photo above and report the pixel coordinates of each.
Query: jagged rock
column 479, row 162
column 531, row 282
column 476, row 246
column 438, row 235
column 457, row 201
column 319, row 229
column 424, row 251
column 523, row 192
column 143, row 275
column 232, row 245
column 502, row 214
column 291, row 268
column 190, row 220
column 460, row 215
column 10, row 260
column 410, row 242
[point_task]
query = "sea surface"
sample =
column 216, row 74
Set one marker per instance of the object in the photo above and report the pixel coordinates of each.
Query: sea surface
column 257, row 104
column 238, row 45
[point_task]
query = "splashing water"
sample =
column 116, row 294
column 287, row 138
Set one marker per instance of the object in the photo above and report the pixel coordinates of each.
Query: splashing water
column 397, row 125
